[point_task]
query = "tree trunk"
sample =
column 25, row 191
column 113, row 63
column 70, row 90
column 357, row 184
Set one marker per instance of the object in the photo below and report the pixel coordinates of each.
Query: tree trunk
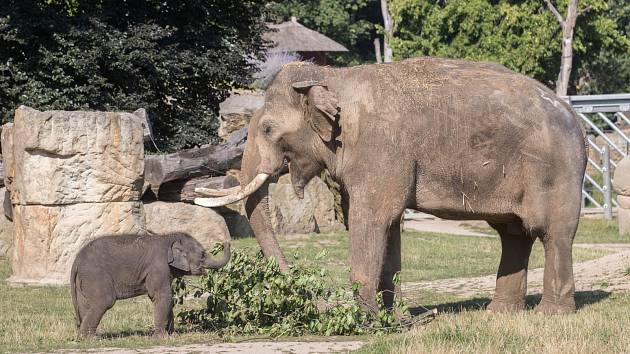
column 377, row 50
column 566, row 62
column 388, row 25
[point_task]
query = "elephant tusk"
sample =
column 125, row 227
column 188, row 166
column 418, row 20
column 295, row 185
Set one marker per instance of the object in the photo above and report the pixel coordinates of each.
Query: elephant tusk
column 211, row 192
column 250, row 188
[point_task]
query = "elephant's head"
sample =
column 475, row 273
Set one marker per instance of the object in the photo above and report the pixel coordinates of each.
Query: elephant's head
column 188, row 256
column 298, row 124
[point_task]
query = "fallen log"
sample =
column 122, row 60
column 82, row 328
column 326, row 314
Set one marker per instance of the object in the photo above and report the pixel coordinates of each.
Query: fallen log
column 208, row 160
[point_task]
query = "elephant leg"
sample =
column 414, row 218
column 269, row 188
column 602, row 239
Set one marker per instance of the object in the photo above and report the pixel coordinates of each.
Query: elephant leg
column 368, row 251
column 516, row 247
column 558, row 283
column 392, row 265
column 92, row 319
column 93, row 302
column 163, row 313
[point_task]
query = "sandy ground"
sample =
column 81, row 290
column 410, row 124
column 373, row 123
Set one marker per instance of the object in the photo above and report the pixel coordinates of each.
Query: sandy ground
column 238, row 348
column 607, row 273
column 429, row 223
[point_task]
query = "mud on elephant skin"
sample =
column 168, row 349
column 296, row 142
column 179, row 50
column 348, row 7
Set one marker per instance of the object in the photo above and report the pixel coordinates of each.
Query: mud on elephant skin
column 453, row 138
column 112, row 268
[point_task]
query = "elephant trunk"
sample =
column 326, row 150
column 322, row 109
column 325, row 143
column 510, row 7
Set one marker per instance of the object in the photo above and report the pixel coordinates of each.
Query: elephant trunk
column 214, row 264
column 257, row 208
column 257, row 203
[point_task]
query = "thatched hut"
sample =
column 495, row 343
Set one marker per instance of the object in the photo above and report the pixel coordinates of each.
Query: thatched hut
column 291, row 36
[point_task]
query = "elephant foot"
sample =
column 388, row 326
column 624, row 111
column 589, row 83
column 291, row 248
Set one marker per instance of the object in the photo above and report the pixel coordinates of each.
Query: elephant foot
column 552, row 308
column 497, row 306
column 86, row 335
column 160, row 335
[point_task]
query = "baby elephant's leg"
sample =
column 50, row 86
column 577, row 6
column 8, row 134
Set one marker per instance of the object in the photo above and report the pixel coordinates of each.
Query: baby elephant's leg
column 163, row 312
column 94, row 301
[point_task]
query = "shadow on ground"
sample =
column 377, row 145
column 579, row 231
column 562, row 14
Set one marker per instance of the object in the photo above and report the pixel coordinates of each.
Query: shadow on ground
column 126, row 333
column 582, row 299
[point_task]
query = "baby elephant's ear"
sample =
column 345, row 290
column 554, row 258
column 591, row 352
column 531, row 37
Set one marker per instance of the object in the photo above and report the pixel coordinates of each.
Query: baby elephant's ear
column 321, row 108
column 177, row 257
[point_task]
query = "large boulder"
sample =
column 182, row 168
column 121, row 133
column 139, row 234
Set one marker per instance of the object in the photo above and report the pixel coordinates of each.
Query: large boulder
column 237, row 110
column 47, row 238
column 204, row 224
column 621, row 180
column 6, row 231
column 314, row 213
column 62, row 157
column 621, row 185
column 73, row 176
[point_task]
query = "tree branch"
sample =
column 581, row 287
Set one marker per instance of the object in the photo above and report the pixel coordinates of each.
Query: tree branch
column 555, row 12
column 585, row 10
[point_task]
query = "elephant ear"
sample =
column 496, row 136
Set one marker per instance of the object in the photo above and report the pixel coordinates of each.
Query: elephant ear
column 321, row 108
column 177, row 257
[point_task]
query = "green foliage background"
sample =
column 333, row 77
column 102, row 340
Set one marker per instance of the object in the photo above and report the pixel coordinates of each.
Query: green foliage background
column 523, row 35
column 176, row 58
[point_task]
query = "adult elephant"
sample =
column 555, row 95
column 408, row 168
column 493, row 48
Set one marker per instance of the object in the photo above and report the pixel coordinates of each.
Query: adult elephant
column 457, row 139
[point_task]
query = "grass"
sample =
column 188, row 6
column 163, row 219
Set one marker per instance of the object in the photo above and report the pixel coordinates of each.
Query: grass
column 425, row 256
column 590, row 230
column 42, row 318
column 600, row 326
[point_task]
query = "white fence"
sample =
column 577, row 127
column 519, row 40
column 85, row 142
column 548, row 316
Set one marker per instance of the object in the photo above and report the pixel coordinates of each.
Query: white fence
column 608, row 127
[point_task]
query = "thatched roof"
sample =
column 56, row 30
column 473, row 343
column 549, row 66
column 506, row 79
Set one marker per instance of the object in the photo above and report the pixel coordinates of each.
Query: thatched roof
column 291, row 36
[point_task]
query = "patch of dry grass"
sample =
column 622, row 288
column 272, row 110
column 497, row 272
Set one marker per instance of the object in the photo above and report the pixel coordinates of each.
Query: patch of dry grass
column 600, row 326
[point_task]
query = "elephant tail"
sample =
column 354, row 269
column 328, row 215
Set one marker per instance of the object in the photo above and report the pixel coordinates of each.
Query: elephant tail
column 73, row 292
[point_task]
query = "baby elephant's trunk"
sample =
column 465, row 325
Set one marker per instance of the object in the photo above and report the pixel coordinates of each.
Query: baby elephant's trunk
column 214, row 264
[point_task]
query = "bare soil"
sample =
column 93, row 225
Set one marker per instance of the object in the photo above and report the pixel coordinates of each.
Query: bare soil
column 607, row 273
column 237, row 348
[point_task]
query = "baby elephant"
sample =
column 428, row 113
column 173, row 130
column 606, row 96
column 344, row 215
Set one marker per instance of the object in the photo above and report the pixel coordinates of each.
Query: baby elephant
column 119, row 267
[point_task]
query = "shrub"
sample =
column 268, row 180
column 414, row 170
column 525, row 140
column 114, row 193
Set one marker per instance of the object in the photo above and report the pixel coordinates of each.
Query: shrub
column 176, row 58
column 252, row 296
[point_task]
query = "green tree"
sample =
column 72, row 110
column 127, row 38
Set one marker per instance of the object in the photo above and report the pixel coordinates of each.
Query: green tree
column 521, row 34
column 349, row 22
column 609, row 72
column 176, row 58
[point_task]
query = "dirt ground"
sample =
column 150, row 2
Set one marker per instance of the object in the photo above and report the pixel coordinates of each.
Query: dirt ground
column 238, row 348
column 607, row 273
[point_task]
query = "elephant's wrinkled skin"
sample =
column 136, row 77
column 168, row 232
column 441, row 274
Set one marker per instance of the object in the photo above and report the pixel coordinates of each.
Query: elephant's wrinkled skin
column 456, row 139
column 112, row 268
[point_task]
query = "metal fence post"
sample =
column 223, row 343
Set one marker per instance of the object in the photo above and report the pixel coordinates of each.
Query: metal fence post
column 607, row 183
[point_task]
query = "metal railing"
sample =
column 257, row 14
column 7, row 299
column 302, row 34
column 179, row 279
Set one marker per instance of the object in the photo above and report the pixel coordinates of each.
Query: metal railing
column 604, row 117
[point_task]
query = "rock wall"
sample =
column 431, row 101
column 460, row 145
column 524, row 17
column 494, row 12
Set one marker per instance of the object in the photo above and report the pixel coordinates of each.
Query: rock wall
column 204, row 224
column 621, row 185
column 73, row 176
column 237, row 110
column 314, row 213
column 6, row 231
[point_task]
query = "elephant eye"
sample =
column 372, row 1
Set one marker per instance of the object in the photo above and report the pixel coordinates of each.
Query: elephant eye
column 267, row 130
